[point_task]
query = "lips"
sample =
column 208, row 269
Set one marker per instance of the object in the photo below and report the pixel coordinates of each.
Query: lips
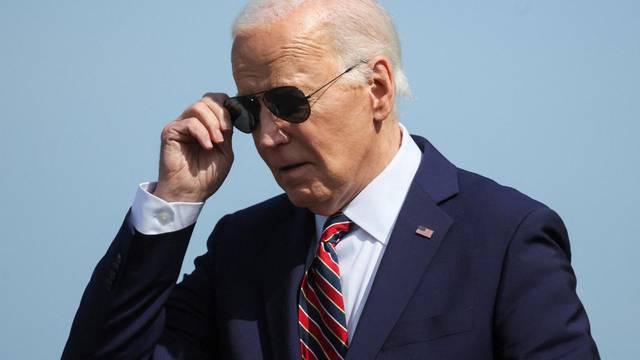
column 292, row 166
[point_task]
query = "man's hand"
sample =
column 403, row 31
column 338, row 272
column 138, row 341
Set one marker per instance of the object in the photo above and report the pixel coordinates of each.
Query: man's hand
column 196, row 153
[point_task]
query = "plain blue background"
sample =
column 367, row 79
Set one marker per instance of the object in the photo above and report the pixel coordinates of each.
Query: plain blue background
column 540, row 95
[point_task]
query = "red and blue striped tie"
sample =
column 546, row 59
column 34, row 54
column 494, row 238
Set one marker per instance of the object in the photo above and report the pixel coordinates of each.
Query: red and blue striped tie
column 321, row 318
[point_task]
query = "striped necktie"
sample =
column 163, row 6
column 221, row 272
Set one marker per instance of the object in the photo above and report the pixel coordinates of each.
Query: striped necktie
column 321, row 319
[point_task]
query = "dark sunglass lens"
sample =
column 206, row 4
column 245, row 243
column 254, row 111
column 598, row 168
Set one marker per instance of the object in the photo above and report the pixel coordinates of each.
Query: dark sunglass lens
column 244, row 110
column 288, row 103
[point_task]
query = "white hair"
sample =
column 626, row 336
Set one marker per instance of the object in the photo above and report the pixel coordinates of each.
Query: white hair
column 360, row 30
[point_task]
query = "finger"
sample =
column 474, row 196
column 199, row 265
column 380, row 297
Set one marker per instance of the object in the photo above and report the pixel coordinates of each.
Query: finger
column 191, row 129
column 203, row 113
column 215, row 101
column 176, row 132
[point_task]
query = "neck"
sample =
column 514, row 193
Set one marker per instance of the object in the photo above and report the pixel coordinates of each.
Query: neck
column 389, row 139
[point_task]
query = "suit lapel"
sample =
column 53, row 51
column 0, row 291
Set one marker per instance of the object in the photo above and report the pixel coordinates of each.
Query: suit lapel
column 287, row 258
column 408, row 254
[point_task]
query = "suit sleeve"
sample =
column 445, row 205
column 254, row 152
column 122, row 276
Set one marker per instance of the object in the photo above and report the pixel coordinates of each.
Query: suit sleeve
column 538, row 313
column 132, row 307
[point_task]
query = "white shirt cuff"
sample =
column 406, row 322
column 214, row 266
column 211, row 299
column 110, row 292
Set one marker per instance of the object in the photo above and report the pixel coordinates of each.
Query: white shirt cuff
column 151, row 215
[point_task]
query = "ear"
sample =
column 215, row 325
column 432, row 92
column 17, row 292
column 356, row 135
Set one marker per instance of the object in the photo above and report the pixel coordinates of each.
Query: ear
column 382, row 88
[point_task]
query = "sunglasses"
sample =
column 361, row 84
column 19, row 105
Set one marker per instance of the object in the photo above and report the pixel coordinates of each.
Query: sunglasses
column 285, row 102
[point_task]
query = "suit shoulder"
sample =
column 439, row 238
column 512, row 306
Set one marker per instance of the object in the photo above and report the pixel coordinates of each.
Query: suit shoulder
column 494, row 199
column 495, row 213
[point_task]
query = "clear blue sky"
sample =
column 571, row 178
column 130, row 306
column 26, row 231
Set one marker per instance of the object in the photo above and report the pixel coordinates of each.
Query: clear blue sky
column 539, row 95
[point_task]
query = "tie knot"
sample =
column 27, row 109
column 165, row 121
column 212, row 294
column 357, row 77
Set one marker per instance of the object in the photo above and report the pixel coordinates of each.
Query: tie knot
column 336, row 227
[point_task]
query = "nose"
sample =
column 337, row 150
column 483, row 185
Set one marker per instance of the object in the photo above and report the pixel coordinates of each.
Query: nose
column 271, row 130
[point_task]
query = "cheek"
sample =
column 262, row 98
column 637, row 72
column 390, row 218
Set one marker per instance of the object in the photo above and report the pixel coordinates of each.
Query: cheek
column 338, row 152
column 336, row 168
column 349, row 127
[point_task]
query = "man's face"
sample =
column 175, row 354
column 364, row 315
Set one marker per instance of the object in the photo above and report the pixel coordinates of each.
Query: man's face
column 323, row 162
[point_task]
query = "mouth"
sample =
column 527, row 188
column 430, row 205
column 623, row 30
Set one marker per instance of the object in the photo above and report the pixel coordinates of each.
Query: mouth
column 292, row 167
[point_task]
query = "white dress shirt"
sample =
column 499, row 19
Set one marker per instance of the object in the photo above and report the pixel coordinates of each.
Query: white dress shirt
column 374, row 211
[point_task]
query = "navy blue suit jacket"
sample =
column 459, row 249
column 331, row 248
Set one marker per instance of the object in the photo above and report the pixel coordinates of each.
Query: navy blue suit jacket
column 493, row 282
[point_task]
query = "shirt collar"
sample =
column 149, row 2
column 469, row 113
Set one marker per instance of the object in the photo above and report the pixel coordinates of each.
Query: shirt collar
column 377, row 206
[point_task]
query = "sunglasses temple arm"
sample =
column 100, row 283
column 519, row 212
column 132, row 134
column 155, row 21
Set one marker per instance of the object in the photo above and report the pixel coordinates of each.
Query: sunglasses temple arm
column 335, row 78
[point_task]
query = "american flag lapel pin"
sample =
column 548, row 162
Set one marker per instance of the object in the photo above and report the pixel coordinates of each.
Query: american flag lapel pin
column 424, row 231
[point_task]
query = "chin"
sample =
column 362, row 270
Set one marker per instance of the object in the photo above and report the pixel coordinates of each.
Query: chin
column 315, row 200
column 318, row 202
column 302, row 198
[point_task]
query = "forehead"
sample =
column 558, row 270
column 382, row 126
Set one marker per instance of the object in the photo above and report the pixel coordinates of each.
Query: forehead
column 283, row 53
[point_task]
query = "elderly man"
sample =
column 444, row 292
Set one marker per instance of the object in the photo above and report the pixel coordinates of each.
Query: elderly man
column 380, row 248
